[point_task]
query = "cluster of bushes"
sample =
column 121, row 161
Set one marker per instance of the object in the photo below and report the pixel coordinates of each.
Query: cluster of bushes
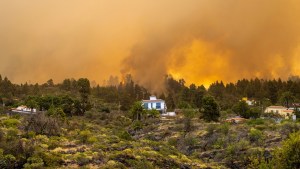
column 284, row 157
column 27, row 148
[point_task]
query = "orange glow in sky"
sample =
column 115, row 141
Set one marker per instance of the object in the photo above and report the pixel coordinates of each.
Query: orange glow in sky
column 199, row 40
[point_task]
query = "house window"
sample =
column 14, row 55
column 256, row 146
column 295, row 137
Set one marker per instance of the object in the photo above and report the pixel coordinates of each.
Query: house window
column 158, row 105
column 146, row 105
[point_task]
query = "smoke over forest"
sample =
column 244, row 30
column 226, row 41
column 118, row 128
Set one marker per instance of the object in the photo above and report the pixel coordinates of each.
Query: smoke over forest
column 199, row 40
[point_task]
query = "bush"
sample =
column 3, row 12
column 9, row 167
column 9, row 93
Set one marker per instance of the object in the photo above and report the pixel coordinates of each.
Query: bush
column 211, row 128
column 289, row 127
column 12, row 134
column 153, row 113
column 11, row 122
column 90, row 114
column 92, row 140
column 52, row 159
column 253, row 122
column 234, row 152
column 6, row 161
column 255, row 135
column 122, row 121
column 57, row 113
column 137, row 125
column 289, row 155
column 140, row 164
column 211, row 109
column 190, row 141
column 82, row 159
column 34, row 163
column 125, row 135
column 45, row 125
column 224, row 128
column 173, row 141
column 84, row 136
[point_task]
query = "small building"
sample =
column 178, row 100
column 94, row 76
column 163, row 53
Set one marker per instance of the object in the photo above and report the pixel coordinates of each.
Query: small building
column 23, row 109
column 249, row 102
column 296, row 106
column 169, row 114
column 154, row 103
column 282, row 111
column 235, row 120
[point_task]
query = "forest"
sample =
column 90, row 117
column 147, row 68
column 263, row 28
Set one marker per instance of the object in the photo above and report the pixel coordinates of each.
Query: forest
column 80, row 125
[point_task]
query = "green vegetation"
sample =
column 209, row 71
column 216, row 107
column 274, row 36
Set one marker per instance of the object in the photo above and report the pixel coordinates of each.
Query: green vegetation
column 211, row 110
column 79, row 125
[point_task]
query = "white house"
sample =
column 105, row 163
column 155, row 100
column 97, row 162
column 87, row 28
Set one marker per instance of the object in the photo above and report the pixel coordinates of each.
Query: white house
column 154, row 103
column 283, row 111
column 23, row 109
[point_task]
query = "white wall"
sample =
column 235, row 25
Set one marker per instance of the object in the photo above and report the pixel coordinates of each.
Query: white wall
column 153, row 105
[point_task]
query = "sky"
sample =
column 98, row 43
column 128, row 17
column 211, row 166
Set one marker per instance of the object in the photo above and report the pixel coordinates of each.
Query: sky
column 199, row 40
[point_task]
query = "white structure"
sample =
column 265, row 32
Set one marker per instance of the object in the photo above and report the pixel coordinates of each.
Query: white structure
column 283, row 111
column 154, row 103
column 169, row 114
column 23, row 109
column 249, row 102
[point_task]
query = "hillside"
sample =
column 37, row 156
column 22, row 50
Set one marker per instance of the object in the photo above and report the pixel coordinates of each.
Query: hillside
column 102, row 140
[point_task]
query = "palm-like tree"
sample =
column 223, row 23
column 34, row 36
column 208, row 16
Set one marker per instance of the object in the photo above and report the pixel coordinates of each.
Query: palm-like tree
column 287, row 98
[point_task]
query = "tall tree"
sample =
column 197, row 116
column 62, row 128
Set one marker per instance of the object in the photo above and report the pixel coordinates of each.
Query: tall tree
column 210, row 109
column 286, row 99
column 84, row 90
column 241, row 108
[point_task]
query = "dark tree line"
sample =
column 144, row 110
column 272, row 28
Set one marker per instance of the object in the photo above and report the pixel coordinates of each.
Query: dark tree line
column 78, row 93
column 258, row 89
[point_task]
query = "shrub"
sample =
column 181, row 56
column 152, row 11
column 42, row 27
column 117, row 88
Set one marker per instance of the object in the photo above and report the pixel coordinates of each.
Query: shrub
column 92, row 140
column 289, row 155
column 34, row 163
column 190, row 141
column 234, row 153
column 125, row 135
column 140, row 164
column 52, row 159
column 255, row 135
column 11, row 122
column 54, row 142
column 82, row 159
column 111, row 164
column 258, row 162
column 12, row 134
column 173, row 141
column 224, row 128
column 6, row 161
column 188, row 114
column 122, row 121
column 211, row 128
column 137, row 125
column 84, row 136
column 90, row 114
column 219, row 143
column 41, row 124
column 289, row 127
column 57, row 113
column 253, row 122
column 153, row 113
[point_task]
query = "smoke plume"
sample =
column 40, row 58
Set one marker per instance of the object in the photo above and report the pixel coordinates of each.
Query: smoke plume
column 222, row 40
column 198, row 40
